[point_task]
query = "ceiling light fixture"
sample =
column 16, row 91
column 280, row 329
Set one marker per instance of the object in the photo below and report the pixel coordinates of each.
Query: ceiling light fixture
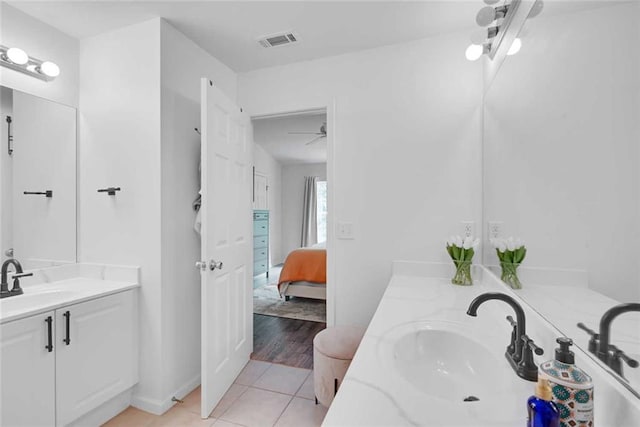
column 17, row 59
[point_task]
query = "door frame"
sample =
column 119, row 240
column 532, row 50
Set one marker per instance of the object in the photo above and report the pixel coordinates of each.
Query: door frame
column 332, row 185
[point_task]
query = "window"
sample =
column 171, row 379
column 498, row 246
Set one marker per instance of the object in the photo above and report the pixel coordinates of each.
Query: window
column 321, row 193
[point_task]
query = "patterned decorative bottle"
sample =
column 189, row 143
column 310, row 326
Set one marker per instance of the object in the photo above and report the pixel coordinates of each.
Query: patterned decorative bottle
column 571, row 387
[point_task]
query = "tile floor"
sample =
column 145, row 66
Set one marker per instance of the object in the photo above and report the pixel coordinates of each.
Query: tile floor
column 263, row 395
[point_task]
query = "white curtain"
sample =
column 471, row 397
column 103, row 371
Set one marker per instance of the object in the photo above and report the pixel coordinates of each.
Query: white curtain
column 309, row 212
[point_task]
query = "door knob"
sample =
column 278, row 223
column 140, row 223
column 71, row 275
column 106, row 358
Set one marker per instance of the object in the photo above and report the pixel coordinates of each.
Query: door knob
column 215, row 264
column 201, row 265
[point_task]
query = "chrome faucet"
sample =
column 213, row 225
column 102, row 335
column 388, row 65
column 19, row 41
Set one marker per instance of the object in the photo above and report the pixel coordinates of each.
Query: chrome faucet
column 519, row 352
column 4, row 285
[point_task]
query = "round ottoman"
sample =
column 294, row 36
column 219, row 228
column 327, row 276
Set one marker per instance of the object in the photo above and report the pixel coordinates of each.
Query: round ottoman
column 333, row 350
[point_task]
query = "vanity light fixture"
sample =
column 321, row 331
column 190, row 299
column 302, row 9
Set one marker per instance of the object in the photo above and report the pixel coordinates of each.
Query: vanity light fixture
column 497, row 20
column 488, row 14
column 17, row 56
column 17, row 59
column 475, row 51
column 515, row 47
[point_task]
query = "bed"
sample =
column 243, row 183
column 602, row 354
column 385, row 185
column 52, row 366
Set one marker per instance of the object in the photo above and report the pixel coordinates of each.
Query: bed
column 304, row 273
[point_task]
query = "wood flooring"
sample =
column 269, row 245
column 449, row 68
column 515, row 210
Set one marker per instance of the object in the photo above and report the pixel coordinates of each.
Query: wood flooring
column 284, row 341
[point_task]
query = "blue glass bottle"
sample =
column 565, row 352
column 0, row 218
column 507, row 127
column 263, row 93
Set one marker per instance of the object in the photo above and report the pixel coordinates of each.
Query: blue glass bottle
column 542, row 411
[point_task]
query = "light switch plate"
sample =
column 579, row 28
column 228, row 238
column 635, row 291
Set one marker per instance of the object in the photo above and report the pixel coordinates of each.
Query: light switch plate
column 345, row 230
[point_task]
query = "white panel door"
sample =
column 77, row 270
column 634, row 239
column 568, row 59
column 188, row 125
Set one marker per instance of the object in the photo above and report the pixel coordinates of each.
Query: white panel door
column 96, row 353
column 27, row 372
column 44, row 159
column 227, row 324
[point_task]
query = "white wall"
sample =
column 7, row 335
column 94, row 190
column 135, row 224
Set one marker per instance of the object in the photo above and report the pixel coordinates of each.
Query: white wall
column 266, row 165
column 292, row 199
column 43, row 42
column 562, row 146
column 407, row 152
column 183, row 64
column 120, row 146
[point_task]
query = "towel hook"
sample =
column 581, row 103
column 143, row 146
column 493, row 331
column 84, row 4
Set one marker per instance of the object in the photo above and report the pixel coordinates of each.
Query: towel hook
column 110, row 190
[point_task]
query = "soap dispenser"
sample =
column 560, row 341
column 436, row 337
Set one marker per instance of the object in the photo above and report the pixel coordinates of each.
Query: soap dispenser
column 571, row 387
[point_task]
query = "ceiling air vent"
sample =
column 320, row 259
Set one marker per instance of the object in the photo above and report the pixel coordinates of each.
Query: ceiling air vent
column 279, row 39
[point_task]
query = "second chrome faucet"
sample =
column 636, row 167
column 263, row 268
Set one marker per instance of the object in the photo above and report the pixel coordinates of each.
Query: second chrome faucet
column 520, row 351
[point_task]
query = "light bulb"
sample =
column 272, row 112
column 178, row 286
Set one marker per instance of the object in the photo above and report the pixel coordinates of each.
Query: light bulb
column 515, row 47
column 474, row 52
column 536, row 9
column 486, row 16
column 50, row 69
column 17, row 56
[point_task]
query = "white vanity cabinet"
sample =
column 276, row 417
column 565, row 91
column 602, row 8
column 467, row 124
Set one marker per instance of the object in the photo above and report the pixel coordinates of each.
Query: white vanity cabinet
column 27, row 372
column 96, row 354
column 93, row 359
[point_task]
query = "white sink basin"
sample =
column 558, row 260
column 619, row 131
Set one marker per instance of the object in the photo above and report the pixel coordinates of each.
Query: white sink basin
column 445, row 360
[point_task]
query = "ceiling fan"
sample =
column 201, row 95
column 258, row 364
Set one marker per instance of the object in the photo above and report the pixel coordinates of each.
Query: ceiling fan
column 319, row 135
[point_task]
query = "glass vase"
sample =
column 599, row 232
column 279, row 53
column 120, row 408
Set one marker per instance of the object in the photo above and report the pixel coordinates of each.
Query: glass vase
column 510, row 275
column 463, row 273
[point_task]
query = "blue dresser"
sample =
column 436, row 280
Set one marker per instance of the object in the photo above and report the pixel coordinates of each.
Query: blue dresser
column 260, row 242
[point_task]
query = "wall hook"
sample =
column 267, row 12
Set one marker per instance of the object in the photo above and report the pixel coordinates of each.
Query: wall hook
column 197, row 131
column 47, row 193
column 110, row 190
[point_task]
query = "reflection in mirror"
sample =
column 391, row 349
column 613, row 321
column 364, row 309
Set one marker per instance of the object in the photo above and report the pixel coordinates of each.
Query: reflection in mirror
column 562, row 172
column 38, row 180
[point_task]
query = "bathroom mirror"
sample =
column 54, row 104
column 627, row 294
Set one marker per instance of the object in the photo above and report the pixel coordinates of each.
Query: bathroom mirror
column 561, row 169
column 38, row 180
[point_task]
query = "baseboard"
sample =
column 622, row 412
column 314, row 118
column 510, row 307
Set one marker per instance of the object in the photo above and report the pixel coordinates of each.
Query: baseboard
column 188, row 387
column 159, row 407
column 106, row 411
column 153, row 406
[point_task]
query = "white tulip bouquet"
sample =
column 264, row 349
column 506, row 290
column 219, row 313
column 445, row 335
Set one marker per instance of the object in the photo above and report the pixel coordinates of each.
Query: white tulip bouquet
column 461, row 252
column 511, row 253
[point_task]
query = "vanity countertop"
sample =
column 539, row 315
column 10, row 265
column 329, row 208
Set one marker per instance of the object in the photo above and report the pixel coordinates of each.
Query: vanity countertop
column 376, row 392
column 56, row 287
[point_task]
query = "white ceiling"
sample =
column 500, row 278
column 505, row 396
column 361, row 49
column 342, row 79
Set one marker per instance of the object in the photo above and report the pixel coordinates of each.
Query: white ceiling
column 228, row 30
column 272, row 135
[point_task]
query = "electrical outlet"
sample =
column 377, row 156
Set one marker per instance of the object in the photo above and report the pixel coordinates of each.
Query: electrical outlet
column 345, row 230
column 469, row 228
column 495, row 229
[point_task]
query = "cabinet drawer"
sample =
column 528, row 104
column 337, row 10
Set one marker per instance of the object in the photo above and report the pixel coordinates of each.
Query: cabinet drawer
column 260, row 254
column 260, row 228
column 260, row 242
column 260, row 215
column 259, row 267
